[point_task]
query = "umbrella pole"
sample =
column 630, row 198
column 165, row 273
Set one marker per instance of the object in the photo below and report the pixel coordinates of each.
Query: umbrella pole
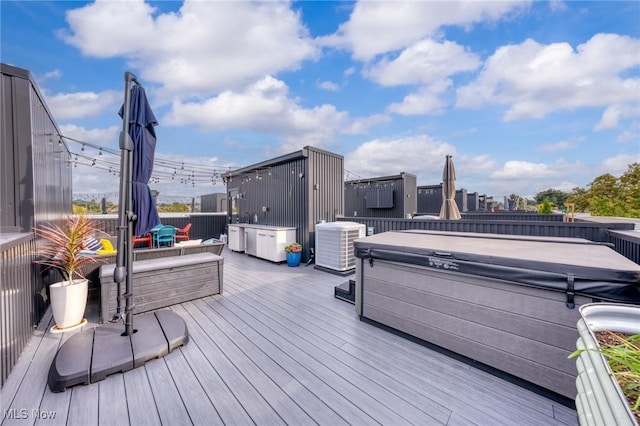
column 94, row 353
column 124, row 259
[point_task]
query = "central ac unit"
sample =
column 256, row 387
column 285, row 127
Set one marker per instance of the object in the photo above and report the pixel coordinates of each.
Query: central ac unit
column 334, row 245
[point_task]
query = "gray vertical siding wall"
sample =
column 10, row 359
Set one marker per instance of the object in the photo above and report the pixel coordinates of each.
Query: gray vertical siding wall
column 472, row 201
column 22, row 299
column 35, row 188
column 627, row 243
column 507, row 215
column 461, row 200
column 296, row 190
column 213, row 202
column 325, row 187
column 36, row 177
column 598, row 232
column 404, row 196
column 430, row 199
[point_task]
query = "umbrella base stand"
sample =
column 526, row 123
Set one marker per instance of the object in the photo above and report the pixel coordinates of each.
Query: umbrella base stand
column 91, row 355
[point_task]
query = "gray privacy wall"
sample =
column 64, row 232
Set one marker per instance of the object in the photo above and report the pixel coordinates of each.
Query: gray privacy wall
column 35, row 172
column 430, row 199
column 297, row 190
column 213, row 202
column 388, row 196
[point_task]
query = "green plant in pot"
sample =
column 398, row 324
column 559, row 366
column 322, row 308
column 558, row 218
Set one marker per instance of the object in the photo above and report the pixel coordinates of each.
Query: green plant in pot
column 293, row 253
column 62, row 250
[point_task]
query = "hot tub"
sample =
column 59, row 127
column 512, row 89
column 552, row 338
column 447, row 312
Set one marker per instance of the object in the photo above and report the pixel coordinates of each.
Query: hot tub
column 506, row 301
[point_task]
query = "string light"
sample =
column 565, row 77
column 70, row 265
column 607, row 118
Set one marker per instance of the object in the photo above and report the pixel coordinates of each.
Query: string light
column 109, row 161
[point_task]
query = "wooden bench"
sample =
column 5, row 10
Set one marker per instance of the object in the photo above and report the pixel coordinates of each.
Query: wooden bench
column 162, row 282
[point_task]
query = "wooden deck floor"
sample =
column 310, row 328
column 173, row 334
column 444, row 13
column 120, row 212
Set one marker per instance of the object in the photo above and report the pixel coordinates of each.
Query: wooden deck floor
column 277, row 348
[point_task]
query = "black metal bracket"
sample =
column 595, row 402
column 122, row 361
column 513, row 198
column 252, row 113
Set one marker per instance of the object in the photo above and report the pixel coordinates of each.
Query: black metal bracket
column 570, row 291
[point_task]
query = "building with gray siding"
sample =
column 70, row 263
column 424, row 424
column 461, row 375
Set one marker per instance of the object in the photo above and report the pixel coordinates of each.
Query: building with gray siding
column 430, row 199
column 387, row 196
column 472, row 201
column 214, row 202
column 297, row 190
column 35, row 161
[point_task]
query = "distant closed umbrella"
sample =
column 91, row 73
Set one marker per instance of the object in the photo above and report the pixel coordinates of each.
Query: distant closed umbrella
column 449, row 210
column 143, row 135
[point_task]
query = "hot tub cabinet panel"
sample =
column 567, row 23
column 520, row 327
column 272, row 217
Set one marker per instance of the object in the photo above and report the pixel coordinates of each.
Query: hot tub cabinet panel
column 525, row 330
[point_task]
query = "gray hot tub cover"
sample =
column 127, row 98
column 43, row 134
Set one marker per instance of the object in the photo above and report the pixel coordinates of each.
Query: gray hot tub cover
column 592, row 277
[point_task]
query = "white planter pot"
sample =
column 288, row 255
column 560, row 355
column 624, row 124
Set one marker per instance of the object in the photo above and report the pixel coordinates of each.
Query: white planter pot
column 68, row 302
column 600, row 400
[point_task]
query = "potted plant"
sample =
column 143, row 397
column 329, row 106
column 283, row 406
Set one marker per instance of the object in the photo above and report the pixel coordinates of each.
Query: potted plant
column 62, row 250
column 294, row 253
column 608, row 381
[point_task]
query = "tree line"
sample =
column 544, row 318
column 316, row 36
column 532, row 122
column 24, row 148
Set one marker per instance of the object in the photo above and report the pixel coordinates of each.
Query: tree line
column 606, row 195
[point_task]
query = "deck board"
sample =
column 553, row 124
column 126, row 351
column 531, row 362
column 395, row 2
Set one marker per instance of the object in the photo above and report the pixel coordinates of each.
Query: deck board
column 278, row 348
column 425, row 391
column 141, row 405
column 111, row 401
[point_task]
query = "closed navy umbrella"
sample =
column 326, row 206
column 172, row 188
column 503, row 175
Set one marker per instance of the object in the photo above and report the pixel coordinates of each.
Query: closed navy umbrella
column 142, row 133
column 137, row 145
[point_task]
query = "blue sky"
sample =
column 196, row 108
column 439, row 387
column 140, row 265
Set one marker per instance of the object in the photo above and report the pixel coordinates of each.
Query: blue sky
column 526, row 96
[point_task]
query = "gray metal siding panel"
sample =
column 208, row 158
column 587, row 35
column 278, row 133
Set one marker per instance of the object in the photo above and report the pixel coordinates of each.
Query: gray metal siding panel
column 326, row 192
column 213, row 202
column 410, row 198
column 38, row 182
column 23, row 301
column 9, row 212
column 429, row 199
column 625, row 244
column 357, row 203
column 287, row 191
column 472, row 201
column 598, row 232
column 280, row 189
column 461, row 199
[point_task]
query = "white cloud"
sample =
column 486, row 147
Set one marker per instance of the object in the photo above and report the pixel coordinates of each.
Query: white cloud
column 66, row 106
column 557, row 6
column 562, row 145
column 203, row 48
column 266, row 107
column 92, row 136
column 425, row 62
column 427, row 100
column 329, row 86
column 613, row 114
column 419, row 155
column 628, row 136
column 379, row 27
column 534, row 80
column 474, row 165
column 565, row 186
column 51, row 75
column 618, row 164
column 362, row 125
column 428, row 63
column 524, row 170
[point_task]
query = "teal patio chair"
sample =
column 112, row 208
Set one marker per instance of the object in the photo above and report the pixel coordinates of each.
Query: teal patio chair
column 164, row 236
